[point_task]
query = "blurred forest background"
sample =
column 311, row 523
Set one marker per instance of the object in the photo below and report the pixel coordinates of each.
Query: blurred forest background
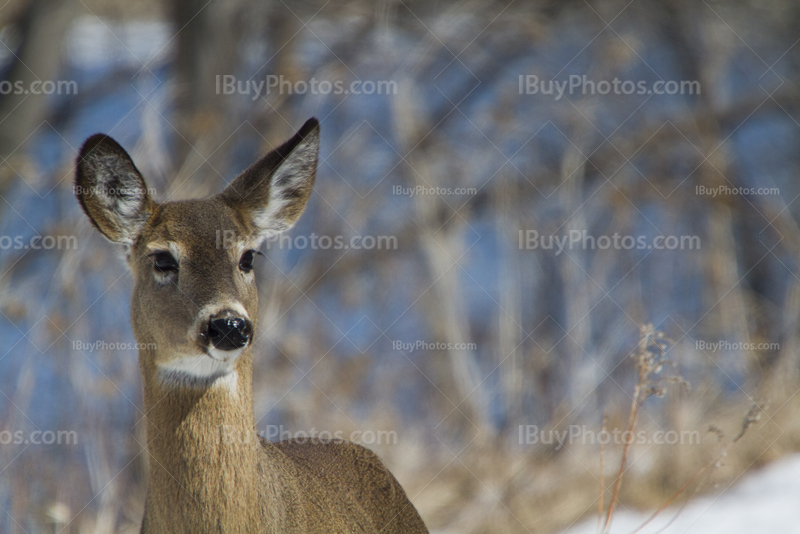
column 547, row 337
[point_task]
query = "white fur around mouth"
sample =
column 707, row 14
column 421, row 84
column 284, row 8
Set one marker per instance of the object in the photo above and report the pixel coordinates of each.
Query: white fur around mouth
column 201, row 370
column 225, row 356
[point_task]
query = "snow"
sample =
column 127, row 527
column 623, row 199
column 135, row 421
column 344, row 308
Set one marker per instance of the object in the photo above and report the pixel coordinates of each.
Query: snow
column 762, row 501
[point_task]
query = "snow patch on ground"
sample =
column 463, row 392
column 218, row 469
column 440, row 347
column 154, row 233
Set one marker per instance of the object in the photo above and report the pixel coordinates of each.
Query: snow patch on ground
column 764, row 501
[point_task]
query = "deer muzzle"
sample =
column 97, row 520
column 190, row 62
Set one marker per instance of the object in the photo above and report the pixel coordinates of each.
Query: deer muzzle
column 229, row 332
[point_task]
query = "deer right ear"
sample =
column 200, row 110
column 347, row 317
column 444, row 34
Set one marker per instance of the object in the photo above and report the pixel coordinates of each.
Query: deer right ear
column 273, row 192
column 111, row 190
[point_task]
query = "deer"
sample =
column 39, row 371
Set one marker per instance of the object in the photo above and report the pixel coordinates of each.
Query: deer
column 194, row 312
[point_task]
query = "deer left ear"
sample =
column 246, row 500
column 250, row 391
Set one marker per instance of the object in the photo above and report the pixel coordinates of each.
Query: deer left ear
column 272, row 193
column 111, row 190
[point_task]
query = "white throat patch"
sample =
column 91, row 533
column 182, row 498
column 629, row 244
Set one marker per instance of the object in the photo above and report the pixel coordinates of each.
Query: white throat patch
column 202, row 370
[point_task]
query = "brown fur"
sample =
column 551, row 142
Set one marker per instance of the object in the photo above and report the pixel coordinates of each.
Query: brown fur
column 209, row 471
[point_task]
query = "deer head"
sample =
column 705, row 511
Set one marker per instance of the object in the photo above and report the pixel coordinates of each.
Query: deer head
column 194, row 296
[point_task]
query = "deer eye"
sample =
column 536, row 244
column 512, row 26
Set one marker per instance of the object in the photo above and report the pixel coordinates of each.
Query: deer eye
column 246, row 263
column 164, row 262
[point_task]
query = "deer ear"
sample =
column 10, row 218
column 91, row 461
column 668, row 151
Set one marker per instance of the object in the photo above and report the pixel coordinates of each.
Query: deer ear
column 272, row 193
column 111, row 190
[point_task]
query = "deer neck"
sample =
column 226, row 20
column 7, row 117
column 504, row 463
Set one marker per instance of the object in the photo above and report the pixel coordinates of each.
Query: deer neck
column 204, row 452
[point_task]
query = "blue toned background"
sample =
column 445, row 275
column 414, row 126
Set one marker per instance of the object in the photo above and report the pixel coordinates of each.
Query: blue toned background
column 460, row 330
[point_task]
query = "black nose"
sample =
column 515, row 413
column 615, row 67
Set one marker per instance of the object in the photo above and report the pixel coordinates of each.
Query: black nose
column 229, row 333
